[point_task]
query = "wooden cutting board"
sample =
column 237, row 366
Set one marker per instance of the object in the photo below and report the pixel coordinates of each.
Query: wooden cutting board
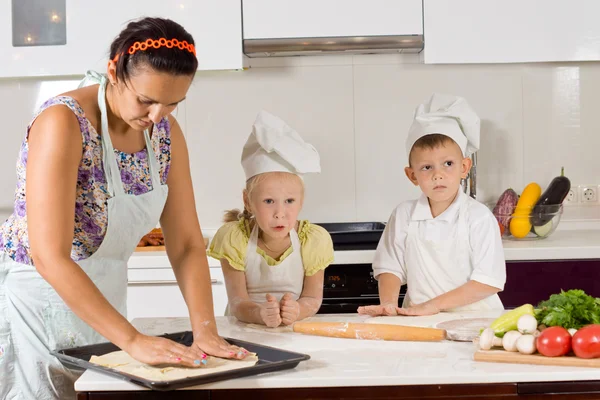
column 162, row 248
column 501, row 356
column 150, row 248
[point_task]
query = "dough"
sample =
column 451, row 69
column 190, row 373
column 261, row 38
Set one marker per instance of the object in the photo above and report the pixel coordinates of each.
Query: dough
column 123, row 362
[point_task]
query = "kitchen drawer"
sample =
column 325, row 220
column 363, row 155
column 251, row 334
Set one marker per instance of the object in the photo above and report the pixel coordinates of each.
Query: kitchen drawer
column 156, row 294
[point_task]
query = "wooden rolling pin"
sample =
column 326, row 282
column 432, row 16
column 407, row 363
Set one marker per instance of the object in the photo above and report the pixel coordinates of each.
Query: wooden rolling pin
column 370, row 331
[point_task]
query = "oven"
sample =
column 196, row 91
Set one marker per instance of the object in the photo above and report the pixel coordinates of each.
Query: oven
column 349, row 281
column 349, row 286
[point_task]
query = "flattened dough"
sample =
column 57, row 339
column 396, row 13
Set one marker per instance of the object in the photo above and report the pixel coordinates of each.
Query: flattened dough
column 121, row 361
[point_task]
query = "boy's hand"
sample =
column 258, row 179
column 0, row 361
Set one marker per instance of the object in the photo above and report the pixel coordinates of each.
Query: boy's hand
column 387, row 309
column 290, row 309
column 269, row 312
column 427, row 308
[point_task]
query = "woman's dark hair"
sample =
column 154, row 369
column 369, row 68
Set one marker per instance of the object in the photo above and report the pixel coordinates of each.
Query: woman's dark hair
column 170, row 60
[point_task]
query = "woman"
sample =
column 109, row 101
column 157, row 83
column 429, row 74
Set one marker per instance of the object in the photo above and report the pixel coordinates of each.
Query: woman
column 99, row 167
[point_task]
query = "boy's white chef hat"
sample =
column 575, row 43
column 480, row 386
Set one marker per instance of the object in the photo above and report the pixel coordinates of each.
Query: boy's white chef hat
column 274, row 146
column 447, row 115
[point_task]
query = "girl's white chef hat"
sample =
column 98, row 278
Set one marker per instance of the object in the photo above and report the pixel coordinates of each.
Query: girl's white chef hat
column 446, row 115
column 274, row 146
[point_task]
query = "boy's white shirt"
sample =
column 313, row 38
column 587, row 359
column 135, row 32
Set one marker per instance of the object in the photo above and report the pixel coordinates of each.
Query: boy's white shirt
column 487, row 264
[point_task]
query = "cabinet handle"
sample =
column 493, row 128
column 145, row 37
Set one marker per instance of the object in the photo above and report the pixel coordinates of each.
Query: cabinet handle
column 134, row 283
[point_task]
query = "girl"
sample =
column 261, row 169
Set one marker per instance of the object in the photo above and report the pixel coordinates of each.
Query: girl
column 273, row 264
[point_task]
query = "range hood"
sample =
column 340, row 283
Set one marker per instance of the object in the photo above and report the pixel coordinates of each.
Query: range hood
column 310, row 46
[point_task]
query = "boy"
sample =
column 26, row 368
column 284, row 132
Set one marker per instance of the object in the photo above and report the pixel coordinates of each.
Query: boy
column 446, row 246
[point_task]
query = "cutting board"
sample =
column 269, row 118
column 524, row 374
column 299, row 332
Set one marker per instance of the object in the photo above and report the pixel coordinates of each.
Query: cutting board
column 162, row 248
column 150, row 248
column 501, row 356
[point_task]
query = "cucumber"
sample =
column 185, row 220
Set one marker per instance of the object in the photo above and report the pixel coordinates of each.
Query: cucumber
column 554, row 195
column 543, row 230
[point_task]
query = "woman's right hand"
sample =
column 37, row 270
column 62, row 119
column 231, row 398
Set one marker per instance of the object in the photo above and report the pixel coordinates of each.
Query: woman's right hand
column 269, row 312
column 154, row 350
column 387, row 309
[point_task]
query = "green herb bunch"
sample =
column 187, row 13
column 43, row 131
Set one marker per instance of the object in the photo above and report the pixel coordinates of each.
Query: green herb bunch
column 570, row 309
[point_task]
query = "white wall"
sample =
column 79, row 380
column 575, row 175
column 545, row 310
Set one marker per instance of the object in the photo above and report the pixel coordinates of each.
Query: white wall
column 356, row 111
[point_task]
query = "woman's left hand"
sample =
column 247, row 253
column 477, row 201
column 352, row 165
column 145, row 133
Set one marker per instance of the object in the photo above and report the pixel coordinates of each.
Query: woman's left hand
column 426, row 308
column 214, row 345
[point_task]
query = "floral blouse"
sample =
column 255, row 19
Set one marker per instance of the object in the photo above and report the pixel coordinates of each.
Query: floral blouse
column 92, row 192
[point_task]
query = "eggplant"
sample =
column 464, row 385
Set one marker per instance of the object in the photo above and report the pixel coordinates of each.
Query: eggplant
column 551, row 200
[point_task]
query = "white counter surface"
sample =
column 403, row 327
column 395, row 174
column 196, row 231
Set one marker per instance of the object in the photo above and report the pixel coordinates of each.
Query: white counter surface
column 562, row 245
column 349, row 362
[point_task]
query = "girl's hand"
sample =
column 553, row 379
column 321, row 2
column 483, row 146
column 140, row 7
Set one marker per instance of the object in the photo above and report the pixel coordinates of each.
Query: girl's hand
column 387, row 309
column 154, row 350
column 269, row 312
column 290, row 309
column 212, row 344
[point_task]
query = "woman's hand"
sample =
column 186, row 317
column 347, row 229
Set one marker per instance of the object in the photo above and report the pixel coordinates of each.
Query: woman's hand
column 154, row 350
column 212, row 344
column 290, row 309
column 387, row 309
column 269, row 312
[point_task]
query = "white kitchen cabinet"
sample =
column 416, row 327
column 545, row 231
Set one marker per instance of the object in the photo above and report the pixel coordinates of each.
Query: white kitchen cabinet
column 164, row 298
column 511, row 31
column 91, row 26
column 331, row 18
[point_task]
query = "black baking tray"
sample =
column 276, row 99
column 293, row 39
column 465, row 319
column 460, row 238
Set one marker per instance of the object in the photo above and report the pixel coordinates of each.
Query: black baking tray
column 354, row 235
column 269, row 359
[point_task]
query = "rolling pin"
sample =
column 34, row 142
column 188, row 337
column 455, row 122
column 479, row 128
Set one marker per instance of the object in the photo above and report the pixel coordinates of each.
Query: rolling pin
column 370, row 331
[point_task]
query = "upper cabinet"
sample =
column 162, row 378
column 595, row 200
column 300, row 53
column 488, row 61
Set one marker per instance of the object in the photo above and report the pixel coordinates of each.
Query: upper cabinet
column 60, row 37
column 315, row 27
column 511, row 31
column 331, row 18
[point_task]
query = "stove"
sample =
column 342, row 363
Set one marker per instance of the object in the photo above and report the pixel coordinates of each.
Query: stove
column 349, row 285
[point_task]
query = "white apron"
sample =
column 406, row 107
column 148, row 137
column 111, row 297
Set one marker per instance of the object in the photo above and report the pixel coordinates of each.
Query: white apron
column 437, row 267
column 262, row 278
column 34, row 319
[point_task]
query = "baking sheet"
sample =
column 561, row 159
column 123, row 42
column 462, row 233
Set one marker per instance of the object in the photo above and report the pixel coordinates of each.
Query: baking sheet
column 270, row 359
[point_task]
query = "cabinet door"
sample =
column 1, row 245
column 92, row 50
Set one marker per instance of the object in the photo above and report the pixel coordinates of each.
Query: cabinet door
column 152, row 298
column 534, row 281
column 507, row 31
column 90, row 27
column 329, row 18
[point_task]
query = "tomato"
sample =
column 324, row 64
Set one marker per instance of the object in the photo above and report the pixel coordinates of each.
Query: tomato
column 586, row 342
column 554, row 342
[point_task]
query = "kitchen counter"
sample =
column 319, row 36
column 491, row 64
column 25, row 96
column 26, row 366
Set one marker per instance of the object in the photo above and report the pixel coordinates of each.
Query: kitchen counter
column 561, row 245
column 338, row 363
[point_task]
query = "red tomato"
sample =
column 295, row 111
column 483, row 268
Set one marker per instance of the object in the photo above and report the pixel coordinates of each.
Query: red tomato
column 554, row 342
column 586, row 342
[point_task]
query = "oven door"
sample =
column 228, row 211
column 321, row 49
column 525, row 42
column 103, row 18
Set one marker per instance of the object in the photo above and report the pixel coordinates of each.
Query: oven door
column 349, row 286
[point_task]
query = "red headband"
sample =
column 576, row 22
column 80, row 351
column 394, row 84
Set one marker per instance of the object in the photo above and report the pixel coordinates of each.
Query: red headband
column 158, row 43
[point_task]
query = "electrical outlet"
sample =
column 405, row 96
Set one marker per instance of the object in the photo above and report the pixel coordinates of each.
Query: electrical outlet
column 572, row 197
column 588, row 194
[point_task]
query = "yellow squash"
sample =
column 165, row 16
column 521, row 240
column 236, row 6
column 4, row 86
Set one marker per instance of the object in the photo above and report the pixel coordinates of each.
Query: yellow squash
column 520, row 225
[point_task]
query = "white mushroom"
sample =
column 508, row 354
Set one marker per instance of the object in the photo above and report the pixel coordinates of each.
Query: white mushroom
column 526, row 344
column 488, row 339
column 526, row 324
column 509, row 341
column 572, row 331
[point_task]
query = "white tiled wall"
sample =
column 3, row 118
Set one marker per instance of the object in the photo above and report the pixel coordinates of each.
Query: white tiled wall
column 356, row 111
